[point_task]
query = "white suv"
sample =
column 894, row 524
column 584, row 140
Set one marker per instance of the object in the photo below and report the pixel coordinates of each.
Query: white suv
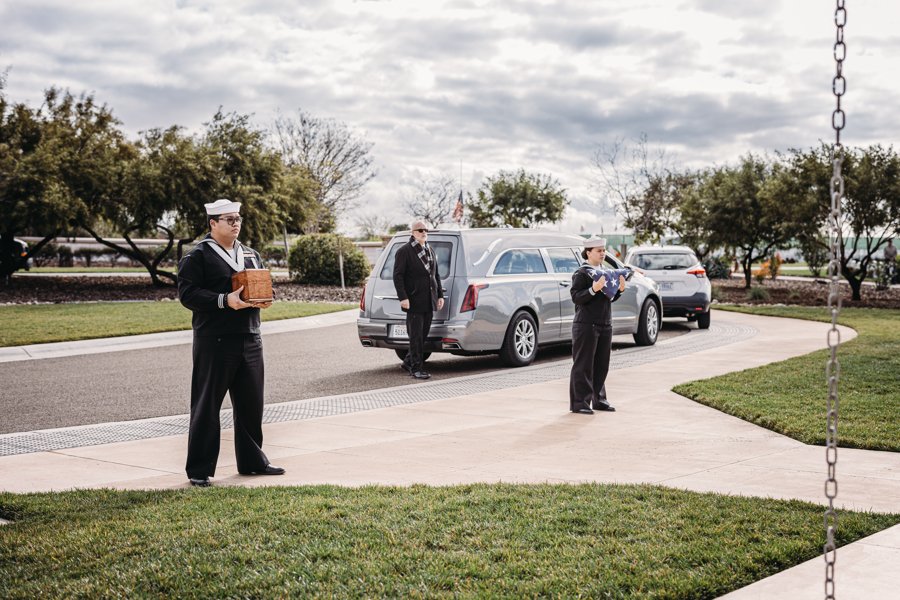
column 682, row 280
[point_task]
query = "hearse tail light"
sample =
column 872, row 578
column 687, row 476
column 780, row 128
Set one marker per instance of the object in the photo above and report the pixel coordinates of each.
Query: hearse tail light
column 362, row 299
column 470, row 300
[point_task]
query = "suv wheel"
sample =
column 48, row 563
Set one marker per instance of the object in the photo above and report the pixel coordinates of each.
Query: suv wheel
column 520, row 343
column 703, row 320
column 401, row 354
column 648, row 326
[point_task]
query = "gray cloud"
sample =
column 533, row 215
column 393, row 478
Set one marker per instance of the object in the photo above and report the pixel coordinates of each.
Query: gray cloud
column 519, row 84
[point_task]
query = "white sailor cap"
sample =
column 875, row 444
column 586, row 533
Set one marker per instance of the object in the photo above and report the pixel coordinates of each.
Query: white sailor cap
column 595, row 242
column 222, row 207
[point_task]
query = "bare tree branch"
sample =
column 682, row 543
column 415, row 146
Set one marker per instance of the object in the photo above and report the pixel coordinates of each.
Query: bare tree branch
column 337, row 159
column 433, row 199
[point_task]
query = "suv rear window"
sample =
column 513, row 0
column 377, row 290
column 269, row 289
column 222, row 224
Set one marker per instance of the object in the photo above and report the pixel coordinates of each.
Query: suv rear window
column 664, row 261
column 441, row 249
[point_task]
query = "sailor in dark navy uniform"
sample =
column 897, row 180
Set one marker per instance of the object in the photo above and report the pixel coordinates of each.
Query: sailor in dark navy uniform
column 228, row 355
column 591, row 331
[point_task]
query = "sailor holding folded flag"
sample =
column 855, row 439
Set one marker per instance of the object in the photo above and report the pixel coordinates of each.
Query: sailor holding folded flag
column 593, row 290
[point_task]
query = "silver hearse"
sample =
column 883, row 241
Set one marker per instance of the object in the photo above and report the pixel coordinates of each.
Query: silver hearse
column 506, row 292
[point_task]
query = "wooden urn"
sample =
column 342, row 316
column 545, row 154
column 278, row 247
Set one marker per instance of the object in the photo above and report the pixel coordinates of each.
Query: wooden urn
column 257, row 285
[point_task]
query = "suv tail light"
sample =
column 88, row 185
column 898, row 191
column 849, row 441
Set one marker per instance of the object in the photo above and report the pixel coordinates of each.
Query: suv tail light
column 470, row 300
column 699, row 273
column 362, row 299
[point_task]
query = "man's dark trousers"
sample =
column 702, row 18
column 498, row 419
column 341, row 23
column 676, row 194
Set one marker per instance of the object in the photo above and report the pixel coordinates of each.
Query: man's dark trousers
column 418, row 325
column 234, row 364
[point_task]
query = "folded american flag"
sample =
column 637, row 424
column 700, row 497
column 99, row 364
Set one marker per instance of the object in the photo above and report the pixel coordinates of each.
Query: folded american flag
column 612, row 279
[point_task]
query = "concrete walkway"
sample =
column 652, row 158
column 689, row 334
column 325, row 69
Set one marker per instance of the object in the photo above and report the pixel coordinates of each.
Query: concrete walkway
column 526, row 434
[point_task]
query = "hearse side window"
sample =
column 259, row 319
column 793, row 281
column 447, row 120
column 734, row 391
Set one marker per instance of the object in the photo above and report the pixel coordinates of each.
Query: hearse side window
column 441, row 249
column 518, row 262
column 563, row 260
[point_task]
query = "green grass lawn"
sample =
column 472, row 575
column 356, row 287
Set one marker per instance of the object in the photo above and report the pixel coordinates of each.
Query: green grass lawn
column 41, row 323
column 790, row 396
column 89, row 270
column 591, row 540
column 106, row 269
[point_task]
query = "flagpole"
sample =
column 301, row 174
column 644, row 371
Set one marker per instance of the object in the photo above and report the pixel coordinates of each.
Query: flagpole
column 458, row 209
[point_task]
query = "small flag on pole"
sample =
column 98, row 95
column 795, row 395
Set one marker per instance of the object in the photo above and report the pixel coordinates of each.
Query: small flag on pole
column 458, row 209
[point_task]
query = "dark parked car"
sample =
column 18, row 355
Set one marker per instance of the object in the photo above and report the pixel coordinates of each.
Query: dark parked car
column 20, row 252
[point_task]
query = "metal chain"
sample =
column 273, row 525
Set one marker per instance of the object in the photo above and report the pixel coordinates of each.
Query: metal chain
column 833, row 367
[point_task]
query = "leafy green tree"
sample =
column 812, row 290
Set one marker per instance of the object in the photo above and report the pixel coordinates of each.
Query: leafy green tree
column 746, row 210
column 248, row 172
column 60, row 164
column 689, row 218
column 23, row 189
column 517, row 199
column 176, row 174
column 870, row 211
column 815, row 253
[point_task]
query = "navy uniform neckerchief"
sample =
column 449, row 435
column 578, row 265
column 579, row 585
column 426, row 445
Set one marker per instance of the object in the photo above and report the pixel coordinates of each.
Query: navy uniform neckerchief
column 236, row 265
column 425, row 253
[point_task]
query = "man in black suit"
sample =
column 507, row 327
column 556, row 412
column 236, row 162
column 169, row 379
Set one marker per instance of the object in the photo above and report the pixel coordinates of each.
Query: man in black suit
column 419, row 290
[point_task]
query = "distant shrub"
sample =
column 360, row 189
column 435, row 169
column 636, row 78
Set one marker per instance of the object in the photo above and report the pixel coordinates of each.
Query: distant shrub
column 87, row 255
column 273, row 255
column 769, row 268
column 64, row 256
column 816, row 254
column 717, row 267
column 758, row 294
column 314, row 260
column 48, row 253
column 152, row 251
column 761, row 273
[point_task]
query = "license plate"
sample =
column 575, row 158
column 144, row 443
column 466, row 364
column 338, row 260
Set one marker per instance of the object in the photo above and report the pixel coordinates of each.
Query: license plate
column 398, row 331
column 665, row 286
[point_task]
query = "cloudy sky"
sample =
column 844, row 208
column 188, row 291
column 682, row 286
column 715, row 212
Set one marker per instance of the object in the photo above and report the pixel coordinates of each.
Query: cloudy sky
column 476, row 86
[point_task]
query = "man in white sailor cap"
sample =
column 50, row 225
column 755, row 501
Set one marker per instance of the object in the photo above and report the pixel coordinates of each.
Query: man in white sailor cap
column 228, row 354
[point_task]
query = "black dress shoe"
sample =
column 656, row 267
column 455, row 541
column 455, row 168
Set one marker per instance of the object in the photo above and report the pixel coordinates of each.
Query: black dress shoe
column 604, row 407
column 269, row 470
column 421, row 375
column 200, row 481
column 583, row 411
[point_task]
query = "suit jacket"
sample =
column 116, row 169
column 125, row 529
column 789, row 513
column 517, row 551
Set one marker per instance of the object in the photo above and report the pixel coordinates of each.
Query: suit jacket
column 415, row 282
column 590, row 307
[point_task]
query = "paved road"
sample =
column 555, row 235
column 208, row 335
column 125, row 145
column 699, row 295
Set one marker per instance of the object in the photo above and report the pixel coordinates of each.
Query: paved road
column 120, row 386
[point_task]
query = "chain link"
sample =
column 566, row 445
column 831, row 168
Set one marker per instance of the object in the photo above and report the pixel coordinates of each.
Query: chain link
column 833, row 367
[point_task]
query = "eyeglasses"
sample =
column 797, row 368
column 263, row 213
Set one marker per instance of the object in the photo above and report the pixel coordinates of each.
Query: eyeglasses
column 230, row 220
column 421, row 230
